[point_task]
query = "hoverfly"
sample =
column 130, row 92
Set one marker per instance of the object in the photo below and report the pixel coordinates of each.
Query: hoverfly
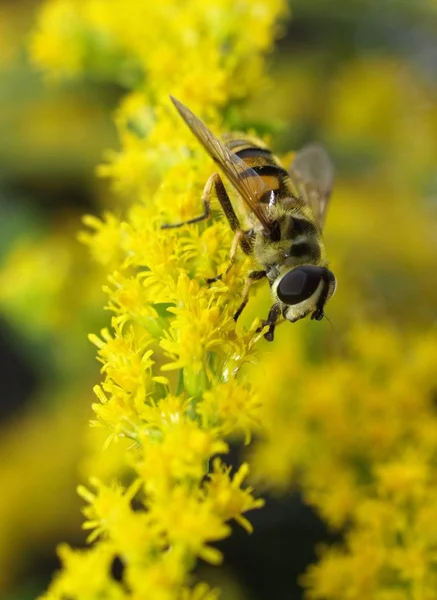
column 286, row 210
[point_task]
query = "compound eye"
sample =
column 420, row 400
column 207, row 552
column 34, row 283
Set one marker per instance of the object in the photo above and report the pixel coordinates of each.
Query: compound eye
column 299, row 284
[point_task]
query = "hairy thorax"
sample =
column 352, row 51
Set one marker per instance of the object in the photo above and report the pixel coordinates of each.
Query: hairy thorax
column 300, row 242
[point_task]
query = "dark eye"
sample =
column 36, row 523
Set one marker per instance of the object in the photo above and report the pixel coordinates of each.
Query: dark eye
column 299, row 284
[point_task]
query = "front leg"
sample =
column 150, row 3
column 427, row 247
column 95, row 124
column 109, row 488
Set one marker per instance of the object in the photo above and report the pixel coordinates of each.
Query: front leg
column 251, row 278
column 274, row 314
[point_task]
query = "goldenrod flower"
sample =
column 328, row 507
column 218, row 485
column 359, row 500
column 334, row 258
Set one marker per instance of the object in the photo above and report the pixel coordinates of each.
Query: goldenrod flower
column 356, row 431
column 86, row 574
column 171, row 361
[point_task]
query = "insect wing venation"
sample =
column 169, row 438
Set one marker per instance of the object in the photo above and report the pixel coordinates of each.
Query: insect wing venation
column 312, row 174
column 246, row 181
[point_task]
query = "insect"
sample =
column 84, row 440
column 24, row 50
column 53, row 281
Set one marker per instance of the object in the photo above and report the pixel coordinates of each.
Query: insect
column 286, row 211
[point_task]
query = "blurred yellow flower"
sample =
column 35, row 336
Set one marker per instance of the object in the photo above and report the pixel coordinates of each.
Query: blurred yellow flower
column 86, row 574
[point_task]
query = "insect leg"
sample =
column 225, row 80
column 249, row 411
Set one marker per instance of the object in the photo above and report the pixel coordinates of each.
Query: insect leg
column 238, row 237
column 225, row 202
column 205, row 215
column 253, row 276
column 216, row 182
column 242, row 238
column 271, row 322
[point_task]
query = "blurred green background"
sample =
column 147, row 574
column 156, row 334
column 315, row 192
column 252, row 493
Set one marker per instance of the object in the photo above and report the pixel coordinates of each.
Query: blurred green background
column 361, row 77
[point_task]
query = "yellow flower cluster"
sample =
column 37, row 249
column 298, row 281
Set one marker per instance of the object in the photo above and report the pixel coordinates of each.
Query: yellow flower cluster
column 355, row 431
column 359, row 434
column 172, row 357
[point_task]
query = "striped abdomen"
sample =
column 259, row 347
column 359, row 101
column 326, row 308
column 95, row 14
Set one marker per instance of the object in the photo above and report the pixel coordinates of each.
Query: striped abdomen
column 259, row 158
column 300, row 241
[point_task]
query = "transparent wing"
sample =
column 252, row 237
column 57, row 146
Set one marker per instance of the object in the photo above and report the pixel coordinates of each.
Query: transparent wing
column 246, row 181
column 312, row 174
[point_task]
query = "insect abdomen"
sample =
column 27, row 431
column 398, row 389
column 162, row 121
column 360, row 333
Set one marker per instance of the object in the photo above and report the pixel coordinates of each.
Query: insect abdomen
column 261, row 160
